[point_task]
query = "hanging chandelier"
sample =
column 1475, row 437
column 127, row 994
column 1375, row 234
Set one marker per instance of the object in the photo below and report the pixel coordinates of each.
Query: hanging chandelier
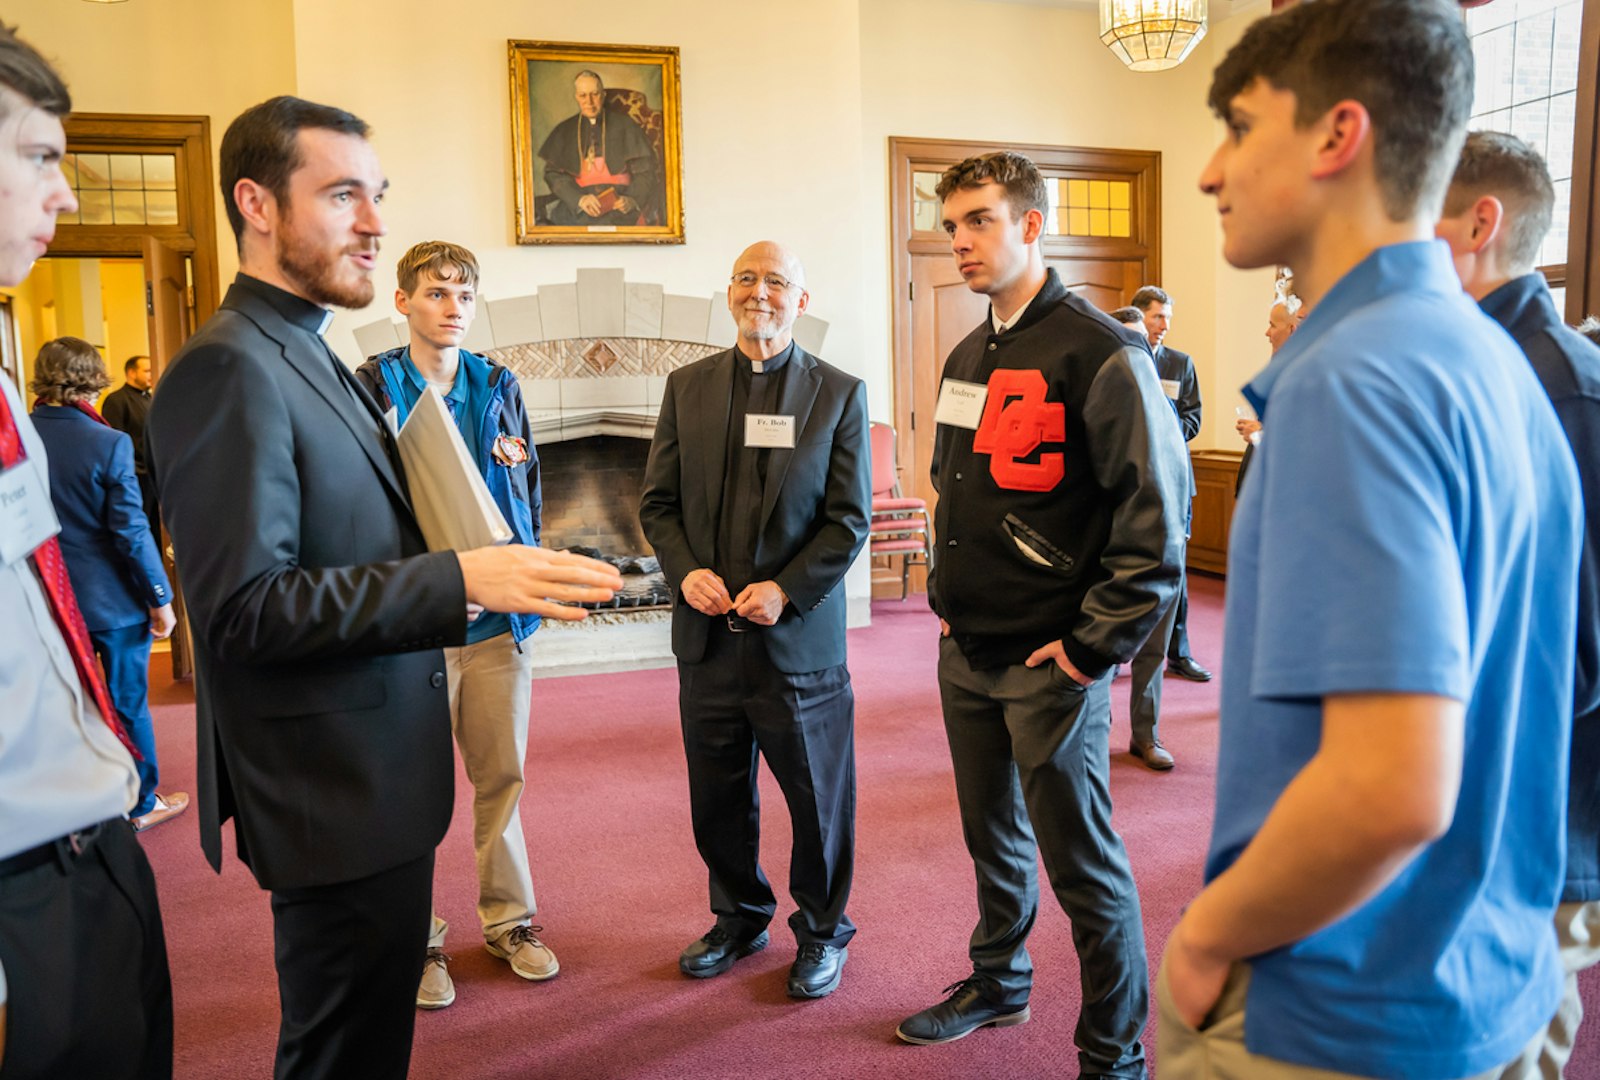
column 1152, row 35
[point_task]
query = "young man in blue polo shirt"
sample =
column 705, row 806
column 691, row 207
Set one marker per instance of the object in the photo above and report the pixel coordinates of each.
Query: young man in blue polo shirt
column 1496, row 216
column 491, row 675
column 1391, row 787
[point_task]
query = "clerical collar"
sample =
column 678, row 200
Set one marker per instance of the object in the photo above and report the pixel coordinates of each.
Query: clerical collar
column 766, row 367
column 296, row 310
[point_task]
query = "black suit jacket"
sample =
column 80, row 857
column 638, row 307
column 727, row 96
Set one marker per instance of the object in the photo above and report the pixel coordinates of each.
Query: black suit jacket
column 814, row 508
column 1178, row 367
column 318, row 616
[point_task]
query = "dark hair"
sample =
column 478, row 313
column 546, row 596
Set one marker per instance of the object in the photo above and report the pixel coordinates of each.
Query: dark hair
column 68, row 370
column 1409, row 62
column 29, row 74
column 133, row 362
column 1590, row 328
column 1019, row 176
column 1494, row 163
column 262, row 144
column 1127, row 316
column 1149, row 295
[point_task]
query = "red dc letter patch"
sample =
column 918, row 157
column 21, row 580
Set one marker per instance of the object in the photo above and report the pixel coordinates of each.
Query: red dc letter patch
column 1016, row 419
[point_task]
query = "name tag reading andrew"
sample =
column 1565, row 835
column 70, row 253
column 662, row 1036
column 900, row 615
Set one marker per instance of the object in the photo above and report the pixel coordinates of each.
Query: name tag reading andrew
column 1170, row 387
column 960, row 404
column 764, row 430
column 26, row 517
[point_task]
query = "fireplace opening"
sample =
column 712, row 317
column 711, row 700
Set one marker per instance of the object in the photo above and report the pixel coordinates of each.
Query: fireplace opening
column 591, row 489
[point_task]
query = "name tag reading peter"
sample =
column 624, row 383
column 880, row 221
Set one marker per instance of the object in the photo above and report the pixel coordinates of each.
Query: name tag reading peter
column 26, row 517
column 960, row 404
column 765, row 430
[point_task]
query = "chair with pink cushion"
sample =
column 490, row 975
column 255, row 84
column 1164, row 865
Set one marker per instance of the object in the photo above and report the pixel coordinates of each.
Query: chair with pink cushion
column 901, row 527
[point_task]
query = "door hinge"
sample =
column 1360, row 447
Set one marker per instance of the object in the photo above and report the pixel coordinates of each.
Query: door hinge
column 149, row 299
column 912, row 290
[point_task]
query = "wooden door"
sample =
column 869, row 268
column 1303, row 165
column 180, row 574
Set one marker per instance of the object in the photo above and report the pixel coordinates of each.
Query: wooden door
column 935, row 309
column 166, row 306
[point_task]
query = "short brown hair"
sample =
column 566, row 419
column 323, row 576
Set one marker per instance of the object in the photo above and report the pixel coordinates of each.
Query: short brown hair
column 68, row 370
column 439, row 258
column 1127, row 316
column 1409, row 62
column 1494, row 163
column 1148, row 295
column 30, row 75
column 1019, row 176
column 263, row 144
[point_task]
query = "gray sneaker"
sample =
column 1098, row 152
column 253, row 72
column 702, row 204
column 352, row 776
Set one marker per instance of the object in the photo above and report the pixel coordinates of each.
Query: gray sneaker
column 436, row 989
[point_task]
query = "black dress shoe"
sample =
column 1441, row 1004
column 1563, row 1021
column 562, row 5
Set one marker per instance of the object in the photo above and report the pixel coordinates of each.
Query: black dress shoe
column 717, row 951
column 966, row 1010
column 1185, row 667
column 816, row 970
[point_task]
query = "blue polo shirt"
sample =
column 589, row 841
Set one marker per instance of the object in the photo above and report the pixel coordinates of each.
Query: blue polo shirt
column 467, row 400
column 1411, row 525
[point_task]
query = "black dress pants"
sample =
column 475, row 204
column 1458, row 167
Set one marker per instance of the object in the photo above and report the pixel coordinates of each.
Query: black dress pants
column 732, row 704
column 349, row 959
column 86, row 964
column 1178, row 643
column 1030, row 754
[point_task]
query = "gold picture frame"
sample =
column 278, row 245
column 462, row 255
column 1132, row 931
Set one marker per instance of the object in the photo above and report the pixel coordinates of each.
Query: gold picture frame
column 597, row 144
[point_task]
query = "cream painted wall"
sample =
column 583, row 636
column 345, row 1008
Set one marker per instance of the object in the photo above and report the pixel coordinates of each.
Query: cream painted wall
column 122, row 301
column 991, row 72
column 187, row 57
column 771, row 140
column 771, row 144
column 1243, row 296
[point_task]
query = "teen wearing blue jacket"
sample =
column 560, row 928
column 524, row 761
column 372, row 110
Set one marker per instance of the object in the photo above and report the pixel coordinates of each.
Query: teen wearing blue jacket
column 491, row 675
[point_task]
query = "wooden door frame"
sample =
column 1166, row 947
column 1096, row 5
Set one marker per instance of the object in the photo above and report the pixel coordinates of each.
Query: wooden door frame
column 1583, row 236
column 189, row 139
column 909, row 155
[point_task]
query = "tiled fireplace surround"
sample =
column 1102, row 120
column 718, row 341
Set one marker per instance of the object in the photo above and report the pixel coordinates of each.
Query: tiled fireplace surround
column 592, row 357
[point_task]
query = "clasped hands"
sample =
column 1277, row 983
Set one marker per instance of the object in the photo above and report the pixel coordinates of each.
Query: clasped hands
column 761, row 602
column 590, row 204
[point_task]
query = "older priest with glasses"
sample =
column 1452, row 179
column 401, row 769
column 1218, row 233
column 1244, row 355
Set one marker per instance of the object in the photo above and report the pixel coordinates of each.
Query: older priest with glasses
column 756, row 500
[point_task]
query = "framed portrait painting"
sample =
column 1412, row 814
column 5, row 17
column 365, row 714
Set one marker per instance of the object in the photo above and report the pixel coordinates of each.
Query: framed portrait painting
column 597, row 143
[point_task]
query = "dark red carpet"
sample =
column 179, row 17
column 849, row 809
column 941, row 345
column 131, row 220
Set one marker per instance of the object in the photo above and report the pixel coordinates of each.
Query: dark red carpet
column 621, row 891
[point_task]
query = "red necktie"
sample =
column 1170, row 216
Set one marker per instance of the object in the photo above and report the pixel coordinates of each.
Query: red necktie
column 52, row 570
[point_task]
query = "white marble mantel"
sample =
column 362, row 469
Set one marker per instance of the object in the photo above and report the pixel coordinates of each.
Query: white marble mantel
column 593, row 355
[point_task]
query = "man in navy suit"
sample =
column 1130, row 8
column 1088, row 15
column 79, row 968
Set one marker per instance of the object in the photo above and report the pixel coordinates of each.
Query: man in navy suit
column 111, row 557
column 1182, row 388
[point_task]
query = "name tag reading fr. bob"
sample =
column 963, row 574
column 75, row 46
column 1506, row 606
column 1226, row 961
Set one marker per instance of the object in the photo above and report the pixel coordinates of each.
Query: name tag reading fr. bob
column 765, row 430
column 960, row 404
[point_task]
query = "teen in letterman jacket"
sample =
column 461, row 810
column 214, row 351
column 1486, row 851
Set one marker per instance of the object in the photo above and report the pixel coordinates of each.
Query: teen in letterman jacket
column 1062, row 515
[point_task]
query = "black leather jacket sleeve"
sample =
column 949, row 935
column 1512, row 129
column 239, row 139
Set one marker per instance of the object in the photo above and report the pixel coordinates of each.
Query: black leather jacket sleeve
column 1139, row 459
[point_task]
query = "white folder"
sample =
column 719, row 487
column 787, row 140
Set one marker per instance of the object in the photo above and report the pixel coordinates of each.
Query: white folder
column 452, row 503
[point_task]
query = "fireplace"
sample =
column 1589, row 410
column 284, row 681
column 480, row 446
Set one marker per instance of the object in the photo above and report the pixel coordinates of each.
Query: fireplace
column 591, row 505
column 592, row 357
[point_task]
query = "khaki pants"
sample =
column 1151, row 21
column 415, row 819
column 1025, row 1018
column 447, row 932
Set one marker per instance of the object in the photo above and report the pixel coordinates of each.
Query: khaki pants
column 1218, row 1052
column 491, row 685
column 1578, row 931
